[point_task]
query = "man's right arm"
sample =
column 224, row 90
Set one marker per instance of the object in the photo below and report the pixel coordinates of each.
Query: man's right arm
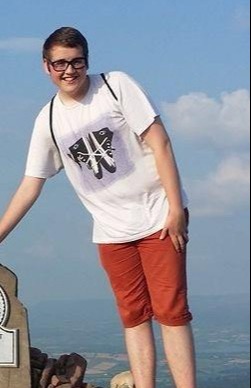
column 24, row 198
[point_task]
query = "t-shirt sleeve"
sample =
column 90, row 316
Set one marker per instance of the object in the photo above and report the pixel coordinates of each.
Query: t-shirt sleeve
column 43, row 160
column 135, row 104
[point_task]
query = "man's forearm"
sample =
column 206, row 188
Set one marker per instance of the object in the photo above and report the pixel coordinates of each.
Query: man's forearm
column 169, row 176
column 176, row 225
column 158, row 140
column 24, row 198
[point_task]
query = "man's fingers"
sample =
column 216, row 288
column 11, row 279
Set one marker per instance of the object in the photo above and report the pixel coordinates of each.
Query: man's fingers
column 182, row 243
column 179, row 242
column 176, row 243
column 164, row 233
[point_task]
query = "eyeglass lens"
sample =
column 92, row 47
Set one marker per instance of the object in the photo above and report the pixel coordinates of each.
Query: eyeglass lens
column 62, row 65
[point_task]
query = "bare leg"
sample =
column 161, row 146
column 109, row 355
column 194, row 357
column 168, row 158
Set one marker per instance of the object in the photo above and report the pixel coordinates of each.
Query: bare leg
column 180, row 353
column 142, row 354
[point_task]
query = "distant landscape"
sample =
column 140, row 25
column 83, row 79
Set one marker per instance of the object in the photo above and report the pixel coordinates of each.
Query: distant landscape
column 92, row 329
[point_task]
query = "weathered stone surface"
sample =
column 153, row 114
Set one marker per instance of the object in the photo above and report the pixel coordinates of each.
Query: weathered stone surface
column 123, row 380
column 38, row 359
column 20, row 376
column 47, row 373
column 75, row 369
column 69, row 369
column 35, row 377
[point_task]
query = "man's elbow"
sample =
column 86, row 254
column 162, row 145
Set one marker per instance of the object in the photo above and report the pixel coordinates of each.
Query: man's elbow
column 32, row 186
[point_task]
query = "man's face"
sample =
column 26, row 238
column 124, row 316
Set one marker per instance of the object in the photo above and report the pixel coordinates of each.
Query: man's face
column 67, row 69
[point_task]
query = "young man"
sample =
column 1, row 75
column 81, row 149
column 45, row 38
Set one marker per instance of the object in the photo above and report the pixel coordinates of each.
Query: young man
column 108, row 136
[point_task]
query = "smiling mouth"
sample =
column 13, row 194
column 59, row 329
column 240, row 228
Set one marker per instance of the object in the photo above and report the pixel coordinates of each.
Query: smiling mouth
column 70, row 79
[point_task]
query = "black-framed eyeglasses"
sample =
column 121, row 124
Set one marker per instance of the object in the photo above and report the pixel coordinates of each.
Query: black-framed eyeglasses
column 63, row 64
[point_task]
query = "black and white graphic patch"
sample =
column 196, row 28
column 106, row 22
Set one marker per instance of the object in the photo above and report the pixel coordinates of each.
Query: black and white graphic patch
column 96, row 152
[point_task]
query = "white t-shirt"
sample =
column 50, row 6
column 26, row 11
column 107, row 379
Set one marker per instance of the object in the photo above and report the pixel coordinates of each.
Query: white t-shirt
column 112, row 170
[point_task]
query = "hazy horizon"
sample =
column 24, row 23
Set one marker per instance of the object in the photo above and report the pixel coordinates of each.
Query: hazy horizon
column 222, row 336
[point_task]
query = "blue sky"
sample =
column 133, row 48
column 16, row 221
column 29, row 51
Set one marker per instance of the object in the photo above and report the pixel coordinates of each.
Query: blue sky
column 193, row 58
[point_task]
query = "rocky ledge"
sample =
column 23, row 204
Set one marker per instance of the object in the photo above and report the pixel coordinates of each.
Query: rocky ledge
column 67, row 372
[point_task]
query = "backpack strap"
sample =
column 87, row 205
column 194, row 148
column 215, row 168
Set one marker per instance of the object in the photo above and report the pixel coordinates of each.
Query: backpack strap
column 52, row 105
column 109, row 86
column 51, row 122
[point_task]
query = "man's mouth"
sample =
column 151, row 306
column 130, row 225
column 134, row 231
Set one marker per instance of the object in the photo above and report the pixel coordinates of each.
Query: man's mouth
column 70, row 79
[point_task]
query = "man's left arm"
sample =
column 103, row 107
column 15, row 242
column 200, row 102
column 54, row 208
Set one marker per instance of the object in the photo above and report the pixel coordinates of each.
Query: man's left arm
column 158, row 140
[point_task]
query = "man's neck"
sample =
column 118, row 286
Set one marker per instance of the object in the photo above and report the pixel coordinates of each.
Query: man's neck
column 71, row 99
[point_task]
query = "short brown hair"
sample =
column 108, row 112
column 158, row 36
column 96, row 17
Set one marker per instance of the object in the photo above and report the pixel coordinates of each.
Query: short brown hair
column 67, row 37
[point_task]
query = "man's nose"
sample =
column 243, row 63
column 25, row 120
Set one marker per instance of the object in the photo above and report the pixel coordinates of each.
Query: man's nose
column 70, row 69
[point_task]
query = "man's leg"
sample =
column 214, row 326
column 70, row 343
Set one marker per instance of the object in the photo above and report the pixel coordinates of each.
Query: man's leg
column 180, row 353
column 122, row 263
column 165, row 272
column 142, row 354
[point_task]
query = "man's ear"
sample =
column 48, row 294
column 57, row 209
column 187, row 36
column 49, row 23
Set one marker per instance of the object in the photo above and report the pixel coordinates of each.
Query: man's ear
column 46, row 66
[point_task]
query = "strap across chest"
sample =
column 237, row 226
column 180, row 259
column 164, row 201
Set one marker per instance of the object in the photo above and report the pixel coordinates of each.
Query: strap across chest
column 52, row 105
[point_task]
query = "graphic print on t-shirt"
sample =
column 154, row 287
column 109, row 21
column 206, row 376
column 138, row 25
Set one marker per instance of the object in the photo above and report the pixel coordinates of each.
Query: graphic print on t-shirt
column 95, row 151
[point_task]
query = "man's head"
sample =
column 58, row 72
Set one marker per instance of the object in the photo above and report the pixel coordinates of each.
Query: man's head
column 66, row 55
column 66, row 37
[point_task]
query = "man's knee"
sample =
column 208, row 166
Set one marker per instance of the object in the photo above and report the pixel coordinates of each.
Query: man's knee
column 135, row 315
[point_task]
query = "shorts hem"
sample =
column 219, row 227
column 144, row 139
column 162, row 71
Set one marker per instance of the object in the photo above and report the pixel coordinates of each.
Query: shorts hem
column 139, row 322
column 175, row 323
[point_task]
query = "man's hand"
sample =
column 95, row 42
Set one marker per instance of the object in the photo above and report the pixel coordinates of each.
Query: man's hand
column 176, row 227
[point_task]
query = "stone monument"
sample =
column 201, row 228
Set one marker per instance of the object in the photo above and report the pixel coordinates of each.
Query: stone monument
column 15, row 369
column 22, row 366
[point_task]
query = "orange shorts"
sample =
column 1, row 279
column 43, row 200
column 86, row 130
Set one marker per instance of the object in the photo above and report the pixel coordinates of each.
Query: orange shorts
column 149, row 280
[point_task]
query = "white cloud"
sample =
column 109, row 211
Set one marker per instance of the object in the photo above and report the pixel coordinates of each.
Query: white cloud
column 21, row 44
column 223, row 191
column 223, row 123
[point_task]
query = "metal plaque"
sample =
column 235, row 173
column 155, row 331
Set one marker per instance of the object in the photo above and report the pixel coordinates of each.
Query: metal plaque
column 8, row 338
